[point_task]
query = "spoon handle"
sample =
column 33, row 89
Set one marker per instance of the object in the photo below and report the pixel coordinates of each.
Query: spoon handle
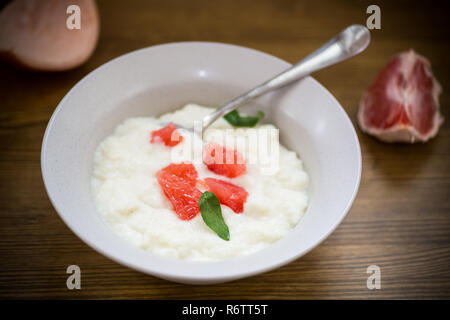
column 351, row 41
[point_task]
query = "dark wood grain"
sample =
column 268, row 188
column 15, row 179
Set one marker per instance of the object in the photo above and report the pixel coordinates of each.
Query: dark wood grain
column 400, row 220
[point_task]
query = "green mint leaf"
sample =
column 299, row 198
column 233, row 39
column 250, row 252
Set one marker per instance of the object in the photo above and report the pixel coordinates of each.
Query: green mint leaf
column 236, row 120
column 212, row 215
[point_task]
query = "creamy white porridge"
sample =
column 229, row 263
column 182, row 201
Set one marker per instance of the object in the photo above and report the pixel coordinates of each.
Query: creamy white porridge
column 130, row 199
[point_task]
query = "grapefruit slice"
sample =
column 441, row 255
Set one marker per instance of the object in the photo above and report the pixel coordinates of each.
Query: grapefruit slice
column 185, row 171
column 229, row 194
column 169, row 135
column 178, row 184
column 402, row 104
column 221, row 161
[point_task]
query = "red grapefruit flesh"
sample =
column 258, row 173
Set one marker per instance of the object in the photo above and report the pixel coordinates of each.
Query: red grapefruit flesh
column 228, row 194
column 221, row 161
column 185, row 171
column 402, row 104
column 178, row 184
column 169, row 135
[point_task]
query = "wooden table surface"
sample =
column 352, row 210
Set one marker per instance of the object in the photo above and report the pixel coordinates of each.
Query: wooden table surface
column 400, row 220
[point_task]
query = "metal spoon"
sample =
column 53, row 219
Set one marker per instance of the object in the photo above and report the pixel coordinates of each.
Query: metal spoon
column 351, row 41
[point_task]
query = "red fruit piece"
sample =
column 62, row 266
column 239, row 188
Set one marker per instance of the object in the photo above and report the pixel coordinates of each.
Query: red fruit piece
column 178, row 184
column 228, row 194
column 402, row 104
column 185, row 171
column 169, row 135
column 221, row 161
column 201, row 185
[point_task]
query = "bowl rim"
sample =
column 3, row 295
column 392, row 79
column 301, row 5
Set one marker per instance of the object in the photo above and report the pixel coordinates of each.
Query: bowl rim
column 187, row 278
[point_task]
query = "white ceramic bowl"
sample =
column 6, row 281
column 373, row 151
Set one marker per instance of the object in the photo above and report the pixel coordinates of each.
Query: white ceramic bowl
column 159, row 79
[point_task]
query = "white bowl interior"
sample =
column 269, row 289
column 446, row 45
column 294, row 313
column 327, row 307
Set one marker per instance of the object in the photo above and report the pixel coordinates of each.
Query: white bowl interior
column 159, row 79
